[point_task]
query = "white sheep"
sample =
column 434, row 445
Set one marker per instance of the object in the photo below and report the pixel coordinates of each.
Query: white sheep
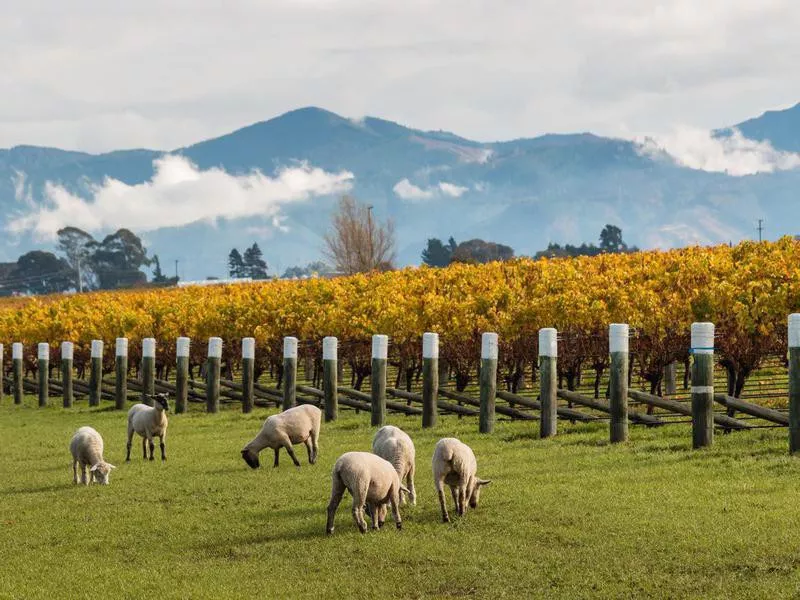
column 395, row 445
column 86, row 447
column 454, row 464
column 292, row 426
column 371, row 480
column 149, row 422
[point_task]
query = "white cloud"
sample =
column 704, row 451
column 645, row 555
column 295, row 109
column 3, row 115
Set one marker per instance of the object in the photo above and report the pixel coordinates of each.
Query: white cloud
column 178, row 194
column 406, row 190
column 734, row 154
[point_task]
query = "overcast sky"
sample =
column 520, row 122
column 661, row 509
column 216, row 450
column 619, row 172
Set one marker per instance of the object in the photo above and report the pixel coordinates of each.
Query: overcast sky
column 103, row 75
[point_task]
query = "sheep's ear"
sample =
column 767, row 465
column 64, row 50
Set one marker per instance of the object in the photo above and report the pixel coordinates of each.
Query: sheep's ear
column 484, row 481
column 110, row 466
column 94, row 468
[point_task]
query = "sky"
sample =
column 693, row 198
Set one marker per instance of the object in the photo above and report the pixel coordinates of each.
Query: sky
column 97, row 76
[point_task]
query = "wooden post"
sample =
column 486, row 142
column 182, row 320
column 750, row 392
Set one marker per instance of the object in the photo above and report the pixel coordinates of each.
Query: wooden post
column 548, row 381
column 43, row 370
column 289, row 372
column 182, row 375
column 16, row 361
column 702, row 384
column 248, row 372
column 618, row 384
column 67, row 353
column 330, row 377
column 148, row 370
column 488, row 381
column 2, row 372
column 670, row 379
column 212, row 374
column 377, row 381
column 121, row 374
column 96, row 373
column 794, row 383
column 430, row 379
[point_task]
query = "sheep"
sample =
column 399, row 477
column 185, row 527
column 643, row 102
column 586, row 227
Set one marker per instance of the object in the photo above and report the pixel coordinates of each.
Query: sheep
column 86, row 447
column 372, row 481
column 394, row 445
column 454, row 464
column 149, row 422
column 292, row 426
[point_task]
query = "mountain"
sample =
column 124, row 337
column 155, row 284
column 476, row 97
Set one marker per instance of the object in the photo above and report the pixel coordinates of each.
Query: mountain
column 524, row 193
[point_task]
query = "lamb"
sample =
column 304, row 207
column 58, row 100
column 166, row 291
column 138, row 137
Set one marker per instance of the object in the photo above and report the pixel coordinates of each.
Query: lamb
column 292, row 426
column 371, row 480
column 454, row 464
column 394, row 444
column 149, row 422
column 86, row 447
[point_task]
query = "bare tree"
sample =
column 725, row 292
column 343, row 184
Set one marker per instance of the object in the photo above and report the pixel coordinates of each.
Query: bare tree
column 357, row 242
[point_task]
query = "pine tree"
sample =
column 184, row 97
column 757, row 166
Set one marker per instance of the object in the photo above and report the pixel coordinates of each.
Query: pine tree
column 254, row 265
column 236, row 267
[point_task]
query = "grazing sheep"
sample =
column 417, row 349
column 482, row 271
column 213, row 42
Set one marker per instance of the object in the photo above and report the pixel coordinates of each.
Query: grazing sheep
column 149, row 422
column 371, row 480
column 86, row 447
column 394, row 445
column 292, row 426
column 454, row 464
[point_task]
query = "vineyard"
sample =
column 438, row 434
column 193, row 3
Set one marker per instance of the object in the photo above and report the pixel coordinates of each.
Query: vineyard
column 746, row 290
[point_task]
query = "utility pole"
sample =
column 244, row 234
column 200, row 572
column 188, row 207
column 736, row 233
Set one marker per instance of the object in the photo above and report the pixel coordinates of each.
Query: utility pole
column 760, row 228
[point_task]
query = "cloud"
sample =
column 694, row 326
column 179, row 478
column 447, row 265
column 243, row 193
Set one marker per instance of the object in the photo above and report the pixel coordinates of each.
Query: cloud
column 178, row 194
column 406, row 190
column 733, row 154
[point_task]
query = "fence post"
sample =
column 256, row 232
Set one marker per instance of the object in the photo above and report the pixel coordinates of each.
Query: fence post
column 182, row 375
column 96, row 373
column 2, row 371
column 248, row 372
column 16, row 362
column 618, row 347
column 548, row 381
column 377, row 381
column 330, row 377
column 430, row 379
column 121, row 374
column 488, row 381
column 702, row 384
column 212, row 374
column 67, row 353
column 289, row 372
column 43, row 370
column 794, row 383
column 148, row 370
column 670, row 384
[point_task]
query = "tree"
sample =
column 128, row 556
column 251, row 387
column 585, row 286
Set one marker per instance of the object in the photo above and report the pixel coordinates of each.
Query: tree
column 310, row 270
column 480, row 251
column 41, row 272
column 76, row 245
column 436, row 254
column 158, row 275
column 117, row 260
column 357, row 242
column 254, row 265
column 235, row 264
column 611, row 240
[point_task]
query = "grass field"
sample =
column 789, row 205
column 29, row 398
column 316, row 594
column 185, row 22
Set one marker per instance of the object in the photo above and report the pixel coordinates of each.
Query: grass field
column 571, row 517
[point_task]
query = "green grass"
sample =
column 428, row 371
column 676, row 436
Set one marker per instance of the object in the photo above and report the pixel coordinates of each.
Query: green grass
column 571, row 517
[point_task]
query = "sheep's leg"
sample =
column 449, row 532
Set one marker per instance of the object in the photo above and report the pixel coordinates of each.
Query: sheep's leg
column 83, row 474
column 394, row 500
column 462, row 500
column 288, row 445
column 163, row 446
column 315, row 443
column 382, row 515
column 337, row 491
column 277, row 453
column 375, row 510
column 152, row 446
column 310, row 451
column 410, row 485
column 440, row 492
column 144, row 448
column 75, row 471
column 130, row 443
column 359, row 499
column 454, row 493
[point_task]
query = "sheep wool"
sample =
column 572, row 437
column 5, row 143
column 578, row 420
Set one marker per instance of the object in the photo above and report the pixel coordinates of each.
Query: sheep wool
column 394, row 445
column 86, row 447
column 454, row 464
column 299, row 424
column 149, row 422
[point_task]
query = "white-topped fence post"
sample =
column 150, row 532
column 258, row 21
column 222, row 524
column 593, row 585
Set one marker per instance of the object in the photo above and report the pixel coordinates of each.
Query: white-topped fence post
column 67, row 356
column 182, row 374
column 213, row 367
column 618, row 347
column 289, row 372
column 43, row 369
column 148, row 370
column 702, row 384
column 96, row 373
column 377, row 381
column 488, row 381
column 548, row 382
column 794, row 383
column 330, row 377
column 248, row 373
column 430, row 379
column 121, row 373
column 18, row 371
